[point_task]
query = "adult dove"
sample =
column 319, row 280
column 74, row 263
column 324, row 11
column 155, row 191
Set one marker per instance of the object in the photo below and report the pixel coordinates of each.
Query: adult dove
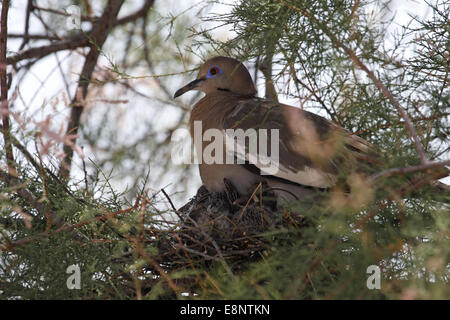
column 312, row 152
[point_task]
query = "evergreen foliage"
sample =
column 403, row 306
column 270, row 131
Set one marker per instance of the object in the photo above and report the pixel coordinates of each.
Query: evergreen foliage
column 326, row 54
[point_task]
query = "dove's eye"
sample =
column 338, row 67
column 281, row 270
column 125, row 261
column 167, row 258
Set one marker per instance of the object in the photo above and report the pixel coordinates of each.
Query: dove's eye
column 213, row 72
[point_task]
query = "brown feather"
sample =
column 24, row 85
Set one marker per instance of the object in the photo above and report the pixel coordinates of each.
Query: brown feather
column 313, row 151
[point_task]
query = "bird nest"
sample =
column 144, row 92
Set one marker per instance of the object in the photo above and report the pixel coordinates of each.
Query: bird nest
column 224, row 227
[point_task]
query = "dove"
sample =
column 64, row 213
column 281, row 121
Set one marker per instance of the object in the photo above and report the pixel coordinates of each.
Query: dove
column 312, row 153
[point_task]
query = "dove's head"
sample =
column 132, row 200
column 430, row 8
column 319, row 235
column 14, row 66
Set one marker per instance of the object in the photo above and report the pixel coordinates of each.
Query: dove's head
column 221, row 74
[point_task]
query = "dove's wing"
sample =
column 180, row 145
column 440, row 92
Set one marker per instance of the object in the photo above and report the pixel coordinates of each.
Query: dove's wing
column 305, row 148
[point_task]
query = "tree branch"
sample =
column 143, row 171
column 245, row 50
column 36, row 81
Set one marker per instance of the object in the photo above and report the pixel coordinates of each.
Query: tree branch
column 98, row 37
column 27, row 24
column 77, row 41
column 66, row 14
column 385, row 91
column 409, row 169
column 33, row 36
column 136, row 15
column 4, row 89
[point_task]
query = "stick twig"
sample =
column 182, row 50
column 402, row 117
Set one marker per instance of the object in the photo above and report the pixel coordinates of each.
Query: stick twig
column 172, row 205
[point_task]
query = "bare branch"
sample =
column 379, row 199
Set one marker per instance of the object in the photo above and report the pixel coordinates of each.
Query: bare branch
column 136, row 15
column 98, row 36
column 76, row 41
column 33, row 36
column 27, row 24
column 4, row 89
column 66, row 14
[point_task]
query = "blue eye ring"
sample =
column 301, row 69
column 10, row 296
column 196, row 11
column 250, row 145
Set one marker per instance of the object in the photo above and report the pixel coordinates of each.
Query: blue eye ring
column 213, row 72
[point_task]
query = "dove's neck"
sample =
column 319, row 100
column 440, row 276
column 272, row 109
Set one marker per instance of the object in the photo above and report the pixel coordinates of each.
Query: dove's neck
column 212, row 109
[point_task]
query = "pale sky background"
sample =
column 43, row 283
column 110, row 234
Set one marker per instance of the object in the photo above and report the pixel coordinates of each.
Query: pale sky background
column 37, row 100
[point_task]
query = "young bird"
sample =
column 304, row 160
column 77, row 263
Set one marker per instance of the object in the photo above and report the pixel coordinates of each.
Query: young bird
column 313, row 152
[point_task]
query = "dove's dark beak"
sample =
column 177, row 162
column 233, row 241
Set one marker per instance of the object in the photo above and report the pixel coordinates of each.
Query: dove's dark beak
column 190, row 86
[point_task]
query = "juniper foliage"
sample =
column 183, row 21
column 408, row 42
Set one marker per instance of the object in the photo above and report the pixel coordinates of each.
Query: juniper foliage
column 128, row 249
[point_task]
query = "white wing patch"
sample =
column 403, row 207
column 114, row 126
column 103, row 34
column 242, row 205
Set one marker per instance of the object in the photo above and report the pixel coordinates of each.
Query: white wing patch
column 308, row 176
column 272, row 165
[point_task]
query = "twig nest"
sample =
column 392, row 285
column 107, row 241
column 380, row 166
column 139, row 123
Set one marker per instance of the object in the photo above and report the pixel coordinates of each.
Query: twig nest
column 225, row 218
